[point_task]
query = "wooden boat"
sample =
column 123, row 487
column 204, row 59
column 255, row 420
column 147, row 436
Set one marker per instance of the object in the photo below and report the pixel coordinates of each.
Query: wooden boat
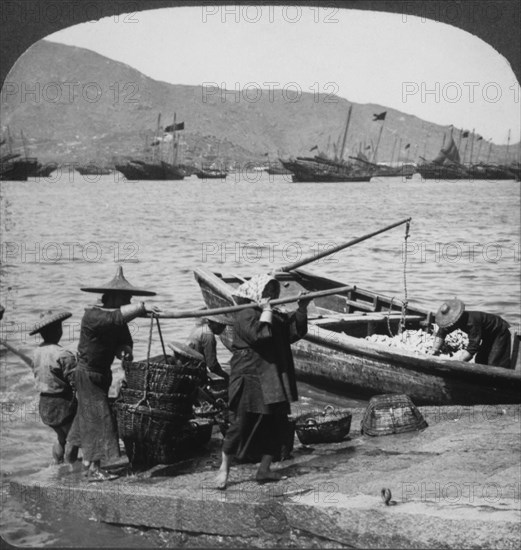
column 447, row 165
column 211, row 174
column 321, row 169
column 93, row 170
column 142, row 170
column 335, row 354
column 164, row 165
column 310, row 171
column 20, row 169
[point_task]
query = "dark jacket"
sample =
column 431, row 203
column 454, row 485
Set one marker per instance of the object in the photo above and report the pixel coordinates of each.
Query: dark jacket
column 262, row 368
column 103, row 332
column 481, row 327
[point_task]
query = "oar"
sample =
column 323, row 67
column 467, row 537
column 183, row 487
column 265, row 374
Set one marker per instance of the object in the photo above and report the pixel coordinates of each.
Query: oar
column 20, row 354
column 320, row 255
column 188, row 313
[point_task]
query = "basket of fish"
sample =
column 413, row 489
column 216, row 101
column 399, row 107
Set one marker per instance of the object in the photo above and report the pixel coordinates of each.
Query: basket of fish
column 327, row 426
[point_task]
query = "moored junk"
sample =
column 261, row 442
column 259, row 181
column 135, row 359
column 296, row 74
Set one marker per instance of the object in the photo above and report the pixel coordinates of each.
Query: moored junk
column 321, row 168
column 154, row 410
column 164, row 163
column 492, row 172
column 15, row 166
column 446, row 165
column 391, row 414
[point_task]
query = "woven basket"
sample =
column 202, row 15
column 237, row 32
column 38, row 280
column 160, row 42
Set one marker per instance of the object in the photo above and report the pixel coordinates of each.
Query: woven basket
column 150, row 436
column 174, row 377
column 154, row 409
column 173, row 444
column 144, row 424
column 328, row 426
column 391, row 414
column 179, row 404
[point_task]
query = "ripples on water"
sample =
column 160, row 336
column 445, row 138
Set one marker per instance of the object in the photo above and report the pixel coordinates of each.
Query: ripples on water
column 60, row 236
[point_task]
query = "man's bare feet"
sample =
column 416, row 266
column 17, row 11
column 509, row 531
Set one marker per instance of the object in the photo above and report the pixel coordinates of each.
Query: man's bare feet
column 221, row 480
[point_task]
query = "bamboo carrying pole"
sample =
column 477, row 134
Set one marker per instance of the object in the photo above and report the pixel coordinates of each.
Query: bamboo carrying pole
column 20, row 354
column 310, row 259
column 188, row 313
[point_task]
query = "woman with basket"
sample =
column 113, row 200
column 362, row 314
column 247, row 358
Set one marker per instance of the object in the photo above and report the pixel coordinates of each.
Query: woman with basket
column 104, row 335
column 262, row 379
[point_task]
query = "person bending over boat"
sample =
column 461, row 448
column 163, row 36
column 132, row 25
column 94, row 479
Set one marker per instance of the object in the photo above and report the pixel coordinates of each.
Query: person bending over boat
column 53, row 368
column 104, row 335
column 202, row 339
column 489, row 335
column 262, row 378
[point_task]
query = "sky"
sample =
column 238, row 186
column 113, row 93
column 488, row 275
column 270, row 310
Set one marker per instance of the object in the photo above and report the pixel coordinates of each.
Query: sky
column 422, row 67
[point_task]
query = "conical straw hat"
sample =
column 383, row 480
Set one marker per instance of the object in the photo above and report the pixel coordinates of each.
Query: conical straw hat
column 48, row 318
column 450, row 311
column 119, row 284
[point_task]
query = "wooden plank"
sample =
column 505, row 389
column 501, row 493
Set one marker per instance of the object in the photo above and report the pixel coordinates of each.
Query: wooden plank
column 351, row 319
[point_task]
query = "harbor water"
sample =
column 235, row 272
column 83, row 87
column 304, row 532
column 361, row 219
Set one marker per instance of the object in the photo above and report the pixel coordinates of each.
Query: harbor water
column 67, row 231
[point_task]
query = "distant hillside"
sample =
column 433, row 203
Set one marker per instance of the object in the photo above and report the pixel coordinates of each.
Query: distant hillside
column 74, row 105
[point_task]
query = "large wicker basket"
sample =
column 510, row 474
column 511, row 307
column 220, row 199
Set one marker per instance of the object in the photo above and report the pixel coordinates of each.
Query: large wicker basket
column 327, row 426
column 172, row 374
column 153, row 437
column 391, row 414
column 145, row 424
column 154, row 409
column 179, row 404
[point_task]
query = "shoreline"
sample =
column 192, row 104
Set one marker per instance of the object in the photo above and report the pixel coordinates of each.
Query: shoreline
column 456, row 484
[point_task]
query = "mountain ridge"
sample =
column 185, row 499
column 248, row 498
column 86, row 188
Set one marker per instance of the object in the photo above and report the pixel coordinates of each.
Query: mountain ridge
column 75, row 105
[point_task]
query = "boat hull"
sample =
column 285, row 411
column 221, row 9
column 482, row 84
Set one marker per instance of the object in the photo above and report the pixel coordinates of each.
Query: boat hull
column 313, row 172
column 93, row 171
column 355, row 367
column 489, row 172
column 438, row 172
column 150, row 171
column 19, row 170
column 210, row 175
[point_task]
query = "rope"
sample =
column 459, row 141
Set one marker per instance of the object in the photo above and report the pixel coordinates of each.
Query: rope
column 388, row 316
column 147, row 374
column 405, row 300
column 160, row 337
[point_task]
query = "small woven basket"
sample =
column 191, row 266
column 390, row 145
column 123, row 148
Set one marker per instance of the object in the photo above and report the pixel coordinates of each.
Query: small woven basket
column 328, row 426
column 391, row 414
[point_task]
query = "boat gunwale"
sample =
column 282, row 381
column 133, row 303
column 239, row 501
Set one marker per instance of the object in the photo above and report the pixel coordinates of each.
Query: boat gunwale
column 432, row 365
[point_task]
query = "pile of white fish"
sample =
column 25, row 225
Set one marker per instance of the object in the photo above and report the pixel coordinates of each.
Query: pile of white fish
column 420, row 341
